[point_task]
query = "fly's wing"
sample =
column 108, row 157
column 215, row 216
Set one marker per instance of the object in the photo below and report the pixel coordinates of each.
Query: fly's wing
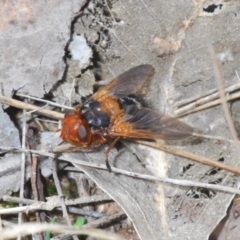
column 145, row 123
column 127, row 83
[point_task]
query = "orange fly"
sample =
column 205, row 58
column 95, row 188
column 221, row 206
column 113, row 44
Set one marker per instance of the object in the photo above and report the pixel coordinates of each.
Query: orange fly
column 116, row 112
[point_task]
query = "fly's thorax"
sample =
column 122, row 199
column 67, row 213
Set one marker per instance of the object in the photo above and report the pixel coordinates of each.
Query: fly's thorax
column 95, row 115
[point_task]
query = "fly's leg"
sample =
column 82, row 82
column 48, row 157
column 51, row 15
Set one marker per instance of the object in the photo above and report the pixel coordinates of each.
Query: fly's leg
column 107, row 152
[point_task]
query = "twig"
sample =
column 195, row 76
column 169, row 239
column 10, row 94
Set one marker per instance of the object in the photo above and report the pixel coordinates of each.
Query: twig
column 208, row 105
column 52, row 203
column 157, row 145
column 36, row 182
column 83, row 212
column 95, row 224
column 61, row 197
column 223, row 100
column 191, row 156
column 165, row 180
column 105, row 220
column 27, row 106
column 179, row 182
column 183, row 102
column 213, row 137
column 194, row 102
column 31, row 228
column 45, row 101
column 23, row 165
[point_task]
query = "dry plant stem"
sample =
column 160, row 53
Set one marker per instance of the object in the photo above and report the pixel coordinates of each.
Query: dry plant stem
column 31, row 228
column 185, row 183
column 23, row 165
column 210, row 104
column 27, row 106
column 183, row 102
column 43, row 206
column 50, row 205
column 61, row 197
column 223, row 100
column 82, row 212
column 60, row 194
column 166, row 148
column 191, row 156
column 207, row 99
column 45, row 101
column 36, row 182
column 213, row 137
column 34, row 169
column 106, row 220
column 97, row 223
column 76, row 201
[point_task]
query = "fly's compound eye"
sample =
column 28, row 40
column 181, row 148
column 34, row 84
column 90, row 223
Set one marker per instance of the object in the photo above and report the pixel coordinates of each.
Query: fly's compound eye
column 82, row 134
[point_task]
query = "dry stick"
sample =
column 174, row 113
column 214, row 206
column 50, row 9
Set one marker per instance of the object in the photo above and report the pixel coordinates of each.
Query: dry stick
column 36, row 182
column 31, row 228
column 178, row 182
column 183, row 102
column 23, row 165
column 210, row 104
column 60, row 194
column 95, row 224
column 212, row 137
column 52, row 203
column 61, row 197
column 27, row 106
column 223, row 100
column 225, row 110
column 152, row 178
column 105, row 220
column 45, row 101
column 83, row 212
column 204, row 99
column 209, row 93
column 191, row 156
